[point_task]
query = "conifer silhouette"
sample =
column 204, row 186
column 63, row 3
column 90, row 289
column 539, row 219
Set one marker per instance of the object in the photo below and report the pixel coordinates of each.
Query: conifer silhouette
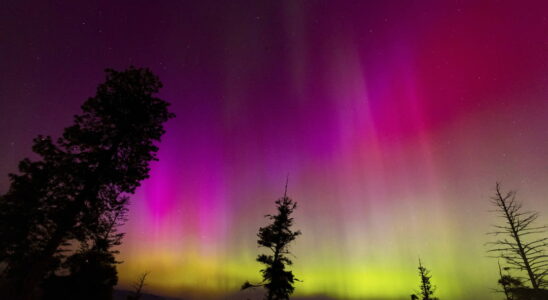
column 426, row 289
column 276, row 237
column 508, row 283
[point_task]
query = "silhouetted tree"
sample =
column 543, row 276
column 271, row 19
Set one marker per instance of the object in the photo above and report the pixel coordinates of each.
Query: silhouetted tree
column 24, row 219
column 82, row 178
column 426, row 289
column 526, row 293
column 276, row 237
column 91, row 270
column 92, row 275
column 508, row 283
column 138, row 287
column 518, row 245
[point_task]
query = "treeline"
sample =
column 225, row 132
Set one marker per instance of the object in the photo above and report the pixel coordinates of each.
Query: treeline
column 60, row 219
column 521, row 244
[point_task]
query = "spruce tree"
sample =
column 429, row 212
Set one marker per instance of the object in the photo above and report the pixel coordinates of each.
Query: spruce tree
column 276, row 237
column 426, row 289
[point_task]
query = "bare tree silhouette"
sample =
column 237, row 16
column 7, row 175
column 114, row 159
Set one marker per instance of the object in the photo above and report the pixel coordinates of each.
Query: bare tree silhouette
column 138, row 287
column 518, row 240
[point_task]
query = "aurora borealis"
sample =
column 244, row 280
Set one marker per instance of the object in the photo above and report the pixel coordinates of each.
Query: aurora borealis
column 393, row 119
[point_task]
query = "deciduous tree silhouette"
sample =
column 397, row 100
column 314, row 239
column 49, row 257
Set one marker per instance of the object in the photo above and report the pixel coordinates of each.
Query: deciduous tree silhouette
column 138, row 287
column 522, row 244
column 82, row 178
column 276, row 237
column 91, row 270
column 92, row 275
column 426, row 289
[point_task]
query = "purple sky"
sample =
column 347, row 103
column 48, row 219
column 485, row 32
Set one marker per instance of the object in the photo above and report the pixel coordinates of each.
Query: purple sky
column 394, row 119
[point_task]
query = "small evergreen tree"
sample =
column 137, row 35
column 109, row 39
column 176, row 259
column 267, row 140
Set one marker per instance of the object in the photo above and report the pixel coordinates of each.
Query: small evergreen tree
column 426, row 289
column 276, row 237
column 508, row 283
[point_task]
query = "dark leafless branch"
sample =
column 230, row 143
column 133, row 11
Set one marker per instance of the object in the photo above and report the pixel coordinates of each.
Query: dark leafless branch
column 518, row 252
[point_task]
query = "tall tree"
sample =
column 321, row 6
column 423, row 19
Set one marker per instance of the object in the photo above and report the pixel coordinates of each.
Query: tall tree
column 426, row 289
column 521, row 242
column 276, row 237
column 82, row 176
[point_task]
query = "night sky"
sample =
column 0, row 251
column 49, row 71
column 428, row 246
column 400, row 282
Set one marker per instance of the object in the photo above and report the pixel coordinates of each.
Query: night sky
column 393, row 120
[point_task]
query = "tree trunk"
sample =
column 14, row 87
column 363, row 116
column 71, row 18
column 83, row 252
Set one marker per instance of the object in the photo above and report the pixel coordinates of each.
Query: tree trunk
column 38, row 269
